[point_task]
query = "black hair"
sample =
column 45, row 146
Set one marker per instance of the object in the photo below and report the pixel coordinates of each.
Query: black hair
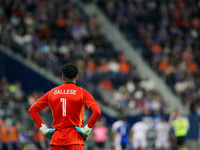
column 122, row 117
column 69, row 71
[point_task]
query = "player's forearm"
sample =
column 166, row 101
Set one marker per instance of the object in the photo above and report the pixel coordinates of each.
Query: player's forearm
column 34, row 113
column 96, row 112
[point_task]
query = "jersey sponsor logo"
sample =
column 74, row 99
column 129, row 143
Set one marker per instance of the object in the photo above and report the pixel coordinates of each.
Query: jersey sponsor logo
column 72, row 92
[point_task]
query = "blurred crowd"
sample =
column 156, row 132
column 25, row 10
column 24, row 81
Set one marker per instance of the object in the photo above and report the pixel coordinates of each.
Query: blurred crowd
column 58, row 32
column 167, row 34
column 14, row 133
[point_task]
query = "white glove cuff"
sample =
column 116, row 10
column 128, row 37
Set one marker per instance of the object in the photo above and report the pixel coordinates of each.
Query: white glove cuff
column 87, row 129
column 44, row 129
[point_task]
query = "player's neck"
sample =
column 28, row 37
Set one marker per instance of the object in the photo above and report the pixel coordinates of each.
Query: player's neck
column 69, row 82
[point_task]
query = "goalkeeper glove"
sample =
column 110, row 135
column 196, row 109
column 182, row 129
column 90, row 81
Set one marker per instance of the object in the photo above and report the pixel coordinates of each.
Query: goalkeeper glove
column 85, row 131
column 48, row 132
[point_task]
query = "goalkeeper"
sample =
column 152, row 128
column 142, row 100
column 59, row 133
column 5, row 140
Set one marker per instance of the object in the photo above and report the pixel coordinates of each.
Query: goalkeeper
column 67, row 103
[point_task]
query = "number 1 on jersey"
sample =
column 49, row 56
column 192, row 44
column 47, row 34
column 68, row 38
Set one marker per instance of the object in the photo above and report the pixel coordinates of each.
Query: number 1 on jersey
column 64, row 102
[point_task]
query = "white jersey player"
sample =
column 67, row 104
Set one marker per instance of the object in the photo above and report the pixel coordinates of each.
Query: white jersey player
column 116, row 135
column 139, row 135
column 162, row 130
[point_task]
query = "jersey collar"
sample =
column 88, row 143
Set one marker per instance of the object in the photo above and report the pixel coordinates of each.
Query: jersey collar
column 70, row 82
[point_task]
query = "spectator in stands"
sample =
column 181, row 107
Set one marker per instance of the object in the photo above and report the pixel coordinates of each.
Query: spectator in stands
column 16, row 91
column 113, row 65
column 4, row 87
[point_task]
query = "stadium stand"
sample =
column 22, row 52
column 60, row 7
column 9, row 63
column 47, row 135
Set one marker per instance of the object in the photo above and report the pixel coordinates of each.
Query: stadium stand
column 166, row 33
column 52, row 39
column 44, row 33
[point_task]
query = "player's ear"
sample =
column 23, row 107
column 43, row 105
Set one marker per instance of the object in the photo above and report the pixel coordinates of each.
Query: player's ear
column 63, row 78
column 77, row 77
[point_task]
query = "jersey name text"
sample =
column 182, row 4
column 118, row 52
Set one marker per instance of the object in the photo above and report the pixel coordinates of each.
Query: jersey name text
column 73, row 92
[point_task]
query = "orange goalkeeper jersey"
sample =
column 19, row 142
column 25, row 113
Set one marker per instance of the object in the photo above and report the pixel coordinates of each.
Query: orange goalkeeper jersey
column 67, row 103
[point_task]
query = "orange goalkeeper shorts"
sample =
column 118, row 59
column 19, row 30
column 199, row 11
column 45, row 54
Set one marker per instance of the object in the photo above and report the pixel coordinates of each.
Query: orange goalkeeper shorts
column 71, row 147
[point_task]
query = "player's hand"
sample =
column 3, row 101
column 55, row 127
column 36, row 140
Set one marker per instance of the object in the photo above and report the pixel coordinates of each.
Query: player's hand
column 48, row 132
column 85, row 131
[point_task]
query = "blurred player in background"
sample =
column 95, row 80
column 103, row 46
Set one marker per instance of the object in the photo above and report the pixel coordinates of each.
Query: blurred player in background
column 162, row 130
column 116, row 135
column 100, row 135
column 180, row 126
column 123, row 131
column 67, row 103
column 139, row 133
